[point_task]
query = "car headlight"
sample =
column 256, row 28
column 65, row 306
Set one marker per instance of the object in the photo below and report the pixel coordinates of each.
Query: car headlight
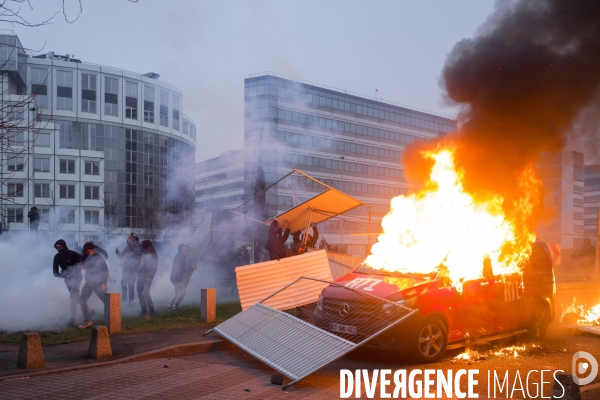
column 409, row 302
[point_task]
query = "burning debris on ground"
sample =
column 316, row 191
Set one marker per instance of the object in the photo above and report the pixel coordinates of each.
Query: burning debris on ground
column 581, row 314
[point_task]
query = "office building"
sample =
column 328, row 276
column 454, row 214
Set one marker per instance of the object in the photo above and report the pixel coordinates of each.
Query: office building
column 103, row 150
column 562, row 176
column 348, row 141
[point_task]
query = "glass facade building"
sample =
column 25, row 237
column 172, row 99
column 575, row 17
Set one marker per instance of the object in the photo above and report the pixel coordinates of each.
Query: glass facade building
column 101, row 159
column 562, row 175
column 347, row 141
column 591, row 200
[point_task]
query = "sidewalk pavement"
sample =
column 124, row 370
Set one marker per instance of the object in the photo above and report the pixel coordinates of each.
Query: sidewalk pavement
column 125, row 348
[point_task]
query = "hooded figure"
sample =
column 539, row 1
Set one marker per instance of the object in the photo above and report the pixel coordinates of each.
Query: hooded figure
column 148, row 268
column 276, row 240
column 96, row 275
column 178, row 275
column 34, row 219
column 131, row 264
column 68, row 262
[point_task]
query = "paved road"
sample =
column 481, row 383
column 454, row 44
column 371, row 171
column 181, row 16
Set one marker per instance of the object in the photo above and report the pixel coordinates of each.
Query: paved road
column 233, row 374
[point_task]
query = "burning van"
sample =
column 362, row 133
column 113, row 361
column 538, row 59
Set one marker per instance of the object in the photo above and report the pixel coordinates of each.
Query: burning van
column 448, row 317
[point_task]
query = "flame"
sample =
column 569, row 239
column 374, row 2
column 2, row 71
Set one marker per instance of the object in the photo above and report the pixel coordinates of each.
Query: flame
column 444, row 225
column 581, row 314
column 511, row 349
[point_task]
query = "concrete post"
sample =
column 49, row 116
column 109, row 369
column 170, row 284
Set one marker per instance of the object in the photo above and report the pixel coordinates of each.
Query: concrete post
column 598, row 248
column 99, row 343
column 31, row 354
column 112, row 312
column 208, row 305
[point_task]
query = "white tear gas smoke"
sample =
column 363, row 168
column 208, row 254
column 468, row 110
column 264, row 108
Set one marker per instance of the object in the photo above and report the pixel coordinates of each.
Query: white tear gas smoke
column 33, row 299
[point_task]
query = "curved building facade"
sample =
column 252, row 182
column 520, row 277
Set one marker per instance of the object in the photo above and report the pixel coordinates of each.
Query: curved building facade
column 111, row 150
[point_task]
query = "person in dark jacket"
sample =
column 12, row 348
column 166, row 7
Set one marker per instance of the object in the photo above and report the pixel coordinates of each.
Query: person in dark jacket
column 131, row 264
column 34, row 219
column 276, row 240
column 96, row 275
column 311, row 241
column 68, row 262
column 177, row 276
column 148, row 268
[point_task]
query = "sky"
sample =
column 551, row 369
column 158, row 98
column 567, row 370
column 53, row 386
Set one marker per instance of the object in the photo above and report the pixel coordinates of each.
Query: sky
column 394, row 50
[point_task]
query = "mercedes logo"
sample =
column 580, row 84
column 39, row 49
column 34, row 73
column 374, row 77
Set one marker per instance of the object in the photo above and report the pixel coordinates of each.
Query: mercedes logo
column 344, row 310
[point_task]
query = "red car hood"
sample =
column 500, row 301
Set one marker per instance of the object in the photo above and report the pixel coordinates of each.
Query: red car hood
column 379, row 285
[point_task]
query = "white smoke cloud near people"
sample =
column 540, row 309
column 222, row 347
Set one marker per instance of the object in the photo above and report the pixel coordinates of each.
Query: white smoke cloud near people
column 33, row 298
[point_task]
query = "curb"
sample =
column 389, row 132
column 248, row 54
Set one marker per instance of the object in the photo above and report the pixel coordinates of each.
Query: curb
column 171, row 351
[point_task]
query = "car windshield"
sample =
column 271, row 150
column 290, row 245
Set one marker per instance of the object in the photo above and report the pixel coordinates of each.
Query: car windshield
column 365, row 268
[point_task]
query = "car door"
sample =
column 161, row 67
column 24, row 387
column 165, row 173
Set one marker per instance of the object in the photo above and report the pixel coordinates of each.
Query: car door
column 480, row 307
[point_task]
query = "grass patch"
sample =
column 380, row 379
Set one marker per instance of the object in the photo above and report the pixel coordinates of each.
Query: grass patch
column 186, row 317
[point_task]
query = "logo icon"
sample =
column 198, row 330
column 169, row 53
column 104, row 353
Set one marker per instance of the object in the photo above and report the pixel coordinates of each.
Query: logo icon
column 582, row 367
column 344, row 310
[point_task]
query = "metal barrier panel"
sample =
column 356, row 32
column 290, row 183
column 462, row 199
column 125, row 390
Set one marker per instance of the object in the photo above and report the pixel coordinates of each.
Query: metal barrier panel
column 199, row 241
column 257, row 281
column 282, row 341
column 338, row 269
column 301, row 340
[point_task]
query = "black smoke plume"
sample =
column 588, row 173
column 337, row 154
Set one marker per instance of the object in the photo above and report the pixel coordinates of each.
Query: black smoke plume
column 520, row 85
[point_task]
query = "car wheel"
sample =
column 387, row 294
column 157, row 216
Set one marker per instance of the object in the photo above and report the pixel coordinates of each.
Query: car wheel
column 432, row 339
column 538, row 323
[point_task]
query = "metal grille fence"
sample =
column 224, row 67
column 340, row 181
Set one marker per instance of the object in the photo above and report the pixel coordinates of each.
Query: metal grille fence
column 298, row 340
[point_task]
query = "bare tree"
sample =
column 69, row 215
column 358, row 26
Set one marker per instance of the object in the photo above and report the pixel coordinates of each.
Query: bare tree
column 111, row 216
column 149, row 216
column 19, row 122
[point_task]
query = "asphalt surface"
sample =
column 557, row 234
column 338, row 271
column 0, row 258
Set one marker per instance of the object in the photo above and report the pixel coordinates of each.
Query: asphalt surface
column 150, row 365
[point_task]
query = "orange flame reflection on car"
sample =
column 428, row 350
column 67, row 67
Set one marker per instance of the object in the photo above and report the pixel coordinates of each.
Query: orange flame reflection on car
column 444, row 225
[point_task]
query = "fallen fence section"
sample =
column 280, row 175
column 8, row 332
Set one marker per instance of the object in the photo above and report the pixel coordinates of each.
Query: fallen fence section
column 299, row 341
column 595, row 330
column 255, row 282
column 199, row 241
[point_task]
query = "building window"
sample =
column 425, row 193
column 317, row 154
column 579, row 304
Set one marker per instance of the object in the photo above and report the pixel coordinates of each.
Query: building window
column 64, row 90
column 15, row 138
column 41, row 165
column 175, row 112
column 39, row 86
column 148, row 104
column 88, row 93
column 42, row 190
column 66, row 139
column 67, row 166
column 92, row 193
column 66, row 216
column 111, row 97
column 15, row 215
column 92, row 168
column 88, row 136
column 67, row 191
column 185, row 127
column 148, row 159
column 44, row 215
column 91, row 217
column 15, row 189
column 15, row 164
column 164, row 108
column 131, row 104
column 42, row 140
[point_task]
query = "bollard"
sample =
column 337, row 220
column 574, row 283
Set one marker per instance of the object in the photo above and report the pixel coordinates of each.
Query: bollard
column 208, row 305
column 99, row 343
column 31, row 354
column 112, row 312
column 567, row 389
